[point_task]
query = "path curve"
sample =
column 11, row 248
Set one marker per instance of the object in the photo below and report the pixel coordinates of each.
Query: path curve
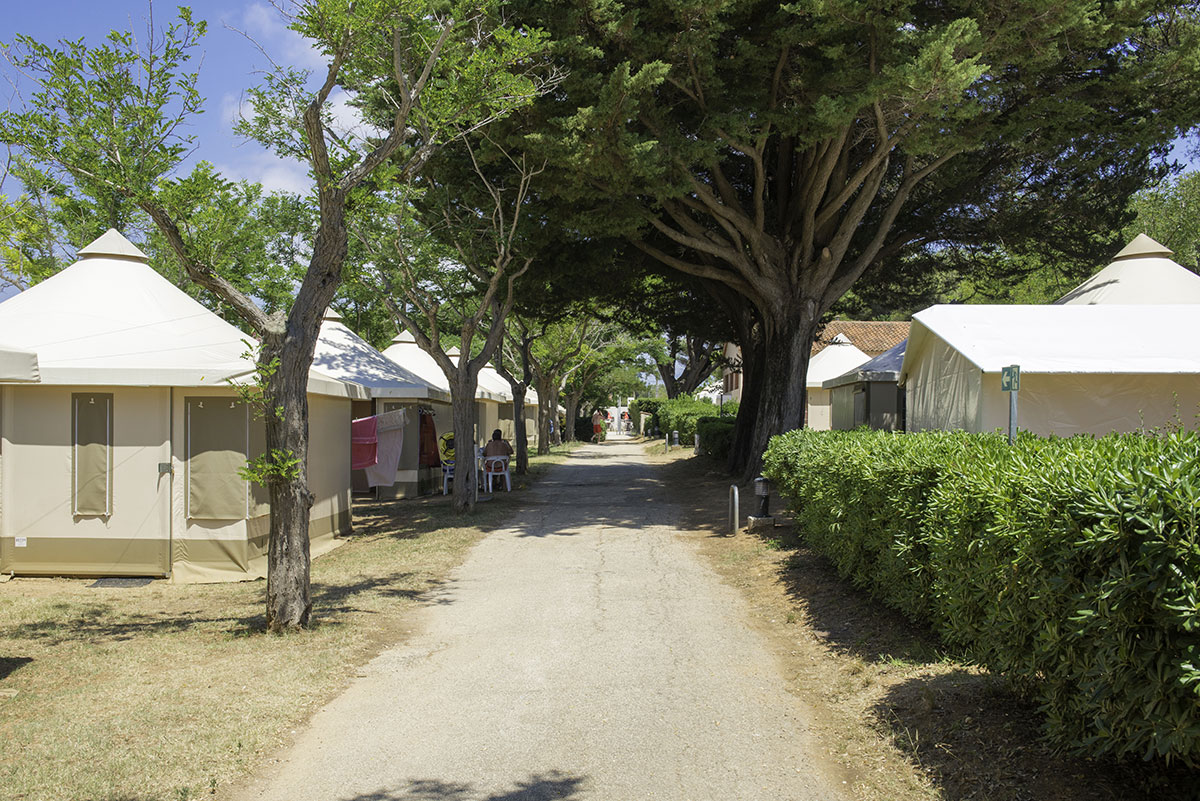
column 585, row 653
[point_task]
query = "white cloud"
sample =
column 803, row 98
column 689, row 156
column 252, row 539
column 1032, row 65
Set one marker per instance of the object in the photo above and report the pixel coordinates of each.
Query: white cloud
column 234, row 108
column 286, row 47
column 346, row 119
column 275, row 174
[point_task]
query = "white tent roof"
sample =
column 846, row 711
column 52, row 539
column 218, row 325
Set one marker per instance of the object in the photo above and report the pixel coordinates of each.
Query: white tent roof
column 1064, row 339
column 835, row 359
column 109, row 319
column 1142, row 273
column 18, row 365
column 405, row 352
column 345, row 355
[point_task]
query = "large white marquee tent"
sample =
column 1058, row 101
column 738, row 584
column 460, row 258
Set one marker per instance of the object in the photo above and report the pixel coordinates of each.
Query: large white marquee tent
column 1084, row 368
column 122, row 457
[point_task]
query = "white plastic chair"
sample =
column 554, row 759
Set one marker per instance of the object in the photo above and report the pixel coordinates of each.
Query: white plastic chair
column 494, row 467
column 447, row 476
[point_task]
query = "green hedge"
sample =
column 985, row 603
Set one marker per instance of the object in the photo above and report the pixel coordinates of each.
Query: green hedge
column 642, row 406
column 716, row 436
column 1072, row 566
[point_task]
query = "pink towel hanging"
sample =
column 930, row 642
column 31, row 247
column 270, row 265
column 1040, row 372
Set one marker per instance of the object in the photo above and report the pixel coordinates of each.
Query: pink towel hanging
column 364, row 443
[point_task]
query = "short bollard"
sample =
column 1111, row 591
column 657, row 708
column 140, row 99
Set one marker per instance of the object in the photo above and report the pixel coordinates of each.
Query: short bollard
column 762, row 491
column 733, row 509
column 675, row 438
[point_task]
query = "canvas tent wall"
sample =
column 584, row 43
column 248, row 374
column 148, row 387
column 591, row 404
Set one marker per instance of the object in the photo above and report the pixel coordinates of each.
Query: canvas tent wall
column 836, row 358
column 1141, row 273
column 122, row 459
column 343, row 354
column 1084, row 368
column 493, row 401
column 869, row 395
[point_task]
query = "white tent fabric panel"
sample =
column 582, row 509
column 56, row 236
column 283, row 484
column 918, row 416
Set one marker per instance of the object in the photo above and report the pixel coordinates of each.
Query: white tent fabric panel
column 18, row 365
column 835, row 359
column 344, row 355
column 109, row 319
column 405, row 352
column 1064, row 339
column 944, row 389
column 1143, row 272
column 1151, row 280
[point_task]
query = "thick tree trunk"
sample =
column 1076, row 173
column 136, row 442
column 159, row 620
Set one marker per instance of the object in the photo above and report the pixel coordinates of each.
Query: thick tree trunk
column 520, row 437
column 774, row 393
column 289, row 604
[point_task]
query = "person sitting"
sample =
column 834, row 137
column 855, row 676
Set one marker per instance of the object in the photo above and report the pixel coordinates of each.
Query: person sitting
column 497, row 446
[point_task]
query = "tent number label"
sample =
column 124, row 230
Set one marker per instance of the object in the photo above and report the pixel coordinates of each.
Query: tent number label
column 1010, row 378
column 21, row 542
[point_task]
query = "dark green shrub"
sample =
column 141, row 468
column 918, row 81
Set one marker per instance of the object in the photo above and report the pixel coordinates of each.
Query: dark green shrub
column 648, row 406
column 716, row 436
column 1072, row 566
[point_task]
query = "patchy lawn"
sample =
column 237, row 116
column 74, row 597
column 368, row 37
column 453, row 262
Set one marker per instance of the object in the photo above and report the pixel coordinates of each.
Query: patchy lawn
column 148, row 690
column 904, row 717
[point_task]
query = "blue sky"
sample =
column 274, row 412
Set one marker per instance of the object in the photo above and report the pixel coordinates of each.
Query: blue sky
column 230, row 63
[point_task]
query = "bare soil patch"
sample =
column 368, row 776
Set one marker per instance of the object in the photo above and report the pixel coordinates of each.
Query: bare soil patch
column 905, row 719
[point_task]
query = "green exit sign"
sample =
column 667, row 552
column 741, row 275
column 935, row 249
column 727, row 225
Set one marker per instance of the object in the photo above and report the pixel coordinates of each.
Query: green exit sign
column 1010, row 378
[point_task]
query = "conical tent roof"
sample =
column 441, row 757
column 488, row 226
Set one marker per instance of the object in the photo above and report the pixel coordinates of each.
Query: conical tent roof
column 837, row 357
column 345, row 355
column 405, row 352
column 110, row 319
column 1141, row 273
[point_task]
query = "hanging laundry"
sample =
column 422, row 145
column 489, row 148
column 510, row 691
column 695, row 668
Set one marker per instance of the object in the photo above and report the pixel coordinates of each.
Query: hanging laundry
column 390, row 428
column 363, row 443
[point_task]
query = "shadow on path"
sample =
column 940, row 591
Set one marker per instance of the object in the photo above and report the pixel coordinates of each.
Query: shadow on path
column 551, row 786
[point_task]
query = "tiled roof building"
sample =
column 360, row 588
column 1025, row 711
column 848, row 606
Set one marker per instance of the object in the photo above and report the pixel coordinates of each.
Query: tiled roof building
column 872, row 337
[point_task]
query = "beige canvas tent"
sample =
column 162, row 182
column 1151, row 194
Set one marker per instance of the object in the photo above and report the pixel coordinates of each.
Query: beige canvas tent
column 1143, row 272
column 493, row 400
column 1084, row 368
column 343, row 354
column 834, row 359
column 123, row 458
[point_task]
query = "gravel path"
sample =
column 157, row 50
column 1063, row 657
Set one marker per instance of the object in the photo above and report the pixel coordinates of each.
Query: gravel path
column 585, row 654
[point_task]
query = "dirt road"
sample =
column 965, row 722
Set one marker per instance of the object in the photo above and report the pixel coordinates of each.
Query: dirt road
column 586, row 653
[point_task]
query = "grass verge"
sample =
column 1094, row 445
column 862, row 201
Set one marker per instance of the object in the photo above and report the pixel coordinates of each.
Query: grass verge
column 171, row 692
column 904, row 718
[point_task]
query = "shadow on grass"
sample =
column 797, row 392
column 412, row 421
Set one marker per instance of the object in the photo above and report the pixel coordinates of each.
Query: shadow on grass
column 551, row 786
column 11, row 664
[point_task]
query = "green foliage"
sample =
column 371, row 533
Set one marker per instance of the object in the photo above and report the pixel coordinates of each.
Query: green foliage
column 1072, row 566
column 1170, row 213
column 276, row 465
column 681, row 414
column 716, row 435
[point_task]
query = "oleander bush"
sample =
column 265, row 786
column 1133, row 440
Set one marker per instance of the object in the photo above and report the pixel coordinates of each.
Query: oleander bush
column 1071, row 566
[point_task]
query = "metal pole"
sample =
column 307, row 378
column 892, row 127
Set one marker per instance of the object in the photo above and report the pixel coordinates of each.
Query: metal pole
column 733, row 509
column 1012, row 416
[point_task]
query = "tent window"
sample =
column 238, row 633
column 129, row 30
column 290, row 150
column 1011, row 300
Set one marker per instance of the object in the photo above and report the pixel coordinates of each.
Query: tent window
column 91, row 453
column 217, row 443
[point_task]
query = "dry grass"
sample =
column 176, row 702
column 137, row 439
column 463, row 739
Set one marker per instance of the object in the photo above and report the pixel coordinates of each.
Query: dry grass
column 904, row 719
column 173, row 691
